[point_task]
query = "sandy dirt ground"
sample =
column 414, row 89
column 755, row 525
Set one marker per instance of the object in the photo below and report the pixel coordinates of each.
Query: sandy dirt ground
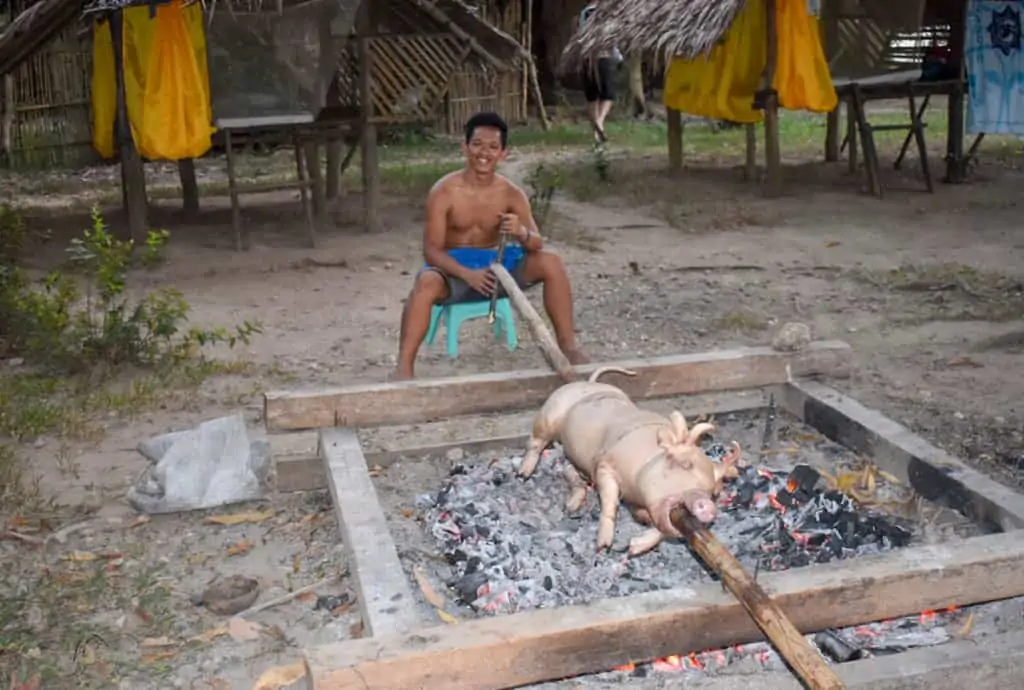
column 927, row 289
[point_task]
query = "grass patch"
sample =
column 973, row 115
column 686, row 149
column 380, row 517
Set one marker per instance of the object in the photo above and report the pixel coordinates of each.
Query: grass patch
column 740, row 322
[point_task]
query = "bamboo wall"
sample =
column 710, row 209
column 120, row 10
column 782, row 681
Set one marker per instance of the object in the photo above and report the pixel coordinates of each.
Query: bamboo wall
column 47, row 119
column 476, row 88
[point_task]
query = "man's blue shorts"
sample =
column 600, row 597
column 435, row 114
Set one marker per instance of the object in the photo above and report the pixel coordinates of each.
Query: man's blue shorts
column 477, row 258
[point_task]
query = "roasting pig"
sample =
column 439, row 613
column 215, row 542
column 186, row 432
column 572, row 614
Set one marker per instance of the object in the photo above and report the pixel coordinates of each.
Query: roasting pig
column 650, row 461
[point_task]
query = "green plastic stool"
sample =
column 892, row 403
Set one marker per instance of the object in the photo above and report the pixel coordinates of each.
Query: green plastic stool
column 454, row 314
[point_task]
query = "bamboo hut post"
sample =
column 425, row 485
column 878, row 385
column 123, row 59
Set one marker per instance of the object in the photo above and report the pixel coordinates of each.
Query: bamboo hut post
column 133, row 174
column 331, row 187
column 750, row 166
column 772, row 154
column 829, row 31
column 955, row 162
column 7, row 120
column 189, row 187
column 675, row 140
column 832, row 136
column 368, row 133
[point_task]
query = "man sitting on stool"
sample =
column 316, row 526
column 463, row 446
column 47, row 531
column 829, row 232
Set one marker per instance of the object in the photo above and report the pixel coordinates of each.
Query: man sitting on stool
column 466, row 211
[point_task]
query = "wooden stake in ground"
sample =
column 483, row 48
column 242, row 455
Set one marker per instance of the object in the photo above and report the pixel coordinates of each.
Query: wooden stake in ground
column 552, row 353
column 805, row 661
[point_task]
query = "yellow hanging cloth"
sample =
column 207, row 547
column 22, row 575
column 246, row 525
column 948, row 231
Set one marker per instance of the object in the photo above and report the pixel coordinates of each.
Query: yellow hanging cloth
column 173, row 113
column 103, row 90
column 802, row 77
column 721, row 86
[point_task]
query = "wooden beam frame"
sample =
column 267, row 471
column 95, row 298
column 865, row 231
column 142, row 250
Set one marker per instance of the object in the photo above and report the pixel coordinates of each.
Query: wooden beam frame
column 541, row 645
column 545, row 644
column 385, row 596
column 411, row 402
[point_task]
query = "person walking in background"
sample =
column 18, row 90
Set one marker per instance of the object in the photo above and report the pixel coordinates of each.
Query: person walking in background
column 599, row 79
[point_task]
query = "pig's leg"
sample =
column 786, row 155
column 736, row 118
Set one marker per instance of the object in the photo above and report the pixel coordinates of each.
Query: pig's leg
column 539, row 440
column 608, row 490
column 642, row 543
column 577, row 489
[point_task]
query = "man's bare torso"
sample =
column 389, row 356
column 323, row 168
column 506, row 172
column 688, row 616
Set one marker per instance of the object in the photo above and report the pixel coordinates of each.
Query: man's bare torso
column 474, row 212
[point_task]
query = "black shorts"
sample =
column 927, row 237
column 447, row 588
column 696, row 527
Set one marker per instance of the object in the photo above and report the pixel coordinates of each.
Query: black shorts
column 599, row 80
column 459, row 290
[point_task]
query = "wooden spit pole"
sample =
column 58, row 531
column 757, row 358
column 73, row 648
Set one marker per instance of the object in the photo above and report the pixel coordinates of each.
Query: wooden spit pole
column 548, row 346
column 805, row 661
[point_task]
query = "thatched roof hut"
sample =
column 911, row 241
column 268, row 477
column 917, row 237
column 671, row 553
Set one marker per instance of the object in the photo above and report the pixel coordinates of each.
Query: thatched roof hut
column 659, row 29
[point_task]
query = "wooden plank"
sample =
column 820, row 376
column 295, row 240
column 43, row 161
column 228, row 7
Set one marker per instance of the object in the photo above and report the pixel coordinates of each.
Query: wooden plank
column 299, row 469
column 535, row 646
column 385, row 597
column 933, row 473
column 413, row 402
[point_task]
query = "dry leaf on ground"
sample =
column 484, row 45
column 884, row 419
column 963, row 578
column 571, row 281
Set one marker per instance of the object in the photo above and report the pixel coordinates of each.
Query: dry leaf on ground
column 240, row 547
column 355, row 630
column 210, row 635
column 239, row 518
column 150, row 642
column 139, row 521
column 432, row 597
column 280, row 676
column 153, row 657
column 79, row 557
column 242, row 630
column 446, row 617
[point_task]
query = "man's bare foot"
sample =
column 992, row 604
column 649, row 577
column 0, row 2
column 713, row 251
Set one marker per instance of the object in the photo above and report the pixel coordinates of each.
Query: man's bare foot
column 576, row 356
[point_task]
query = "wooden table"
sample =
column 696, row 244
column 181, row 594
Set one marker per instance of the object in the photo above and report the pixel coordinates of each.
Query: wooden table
column 895, row 85
column 301, row 130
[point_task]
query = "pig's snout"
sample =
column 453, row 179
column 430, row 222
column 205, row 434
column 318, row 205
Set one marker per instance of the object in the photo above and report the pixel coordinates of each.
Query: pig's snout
column 704, row 510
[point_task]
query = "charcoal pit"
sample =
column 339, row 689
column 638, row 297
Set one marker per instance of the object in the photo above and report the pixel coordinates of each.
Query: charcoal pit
column 508, row 545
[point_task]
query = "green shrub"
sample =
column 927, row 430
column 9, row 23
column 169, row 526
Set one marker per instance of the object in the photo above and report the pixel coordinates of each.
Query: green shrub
column 79, row 317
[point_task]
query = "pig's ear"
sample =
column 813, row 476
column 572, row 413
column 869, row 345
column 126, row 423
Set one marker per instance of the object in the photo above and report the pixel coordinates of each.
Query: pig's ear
column 698, row 431
column 667, row 437
column 679, row 426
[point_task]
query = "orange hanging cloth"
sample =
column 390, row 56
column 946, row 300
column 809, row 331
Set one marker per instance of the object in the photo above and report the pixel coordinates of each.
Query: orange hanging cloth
column 176, row 113
column 802, row 77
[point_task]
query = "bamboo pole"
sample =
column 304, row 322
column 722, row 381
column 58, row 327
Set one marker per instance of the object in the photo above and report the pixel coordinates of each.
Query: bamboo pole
column 548, row 346
column 805, row 661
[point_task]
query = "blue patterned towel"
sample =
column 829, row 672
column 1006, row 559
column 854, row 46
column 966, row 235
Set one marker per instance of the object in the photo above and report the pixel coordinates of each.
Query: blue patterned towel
column 995, row 67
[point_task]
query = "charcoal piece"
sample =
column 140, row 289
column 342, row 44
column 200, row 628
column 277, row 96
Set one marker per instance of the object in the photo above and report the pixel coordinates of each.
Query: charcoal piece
column 785, row 499
column 329, row 602
column 836, row 647
column 513, row 549
column 467, row 586
column 483, row 530
column 846, row 528
column 641, row 671
column 442, row 495
column 499, row 478
column 472, row 565
column 803, row 478
column 835, row 545
column 457, row 469
column 744, row 496
column 470, row 509
column 456, row 556
column 548, row 583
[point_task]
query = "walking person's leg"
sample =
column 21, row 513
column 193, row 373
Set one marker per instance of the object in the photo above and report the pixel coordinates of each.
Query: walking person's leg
column 606, row 92
column 592, row 93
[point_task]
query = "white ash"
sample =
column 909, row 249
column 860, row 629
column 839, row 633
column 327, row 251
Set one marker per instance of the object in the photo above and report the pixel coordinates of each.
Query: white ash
column 511, row 545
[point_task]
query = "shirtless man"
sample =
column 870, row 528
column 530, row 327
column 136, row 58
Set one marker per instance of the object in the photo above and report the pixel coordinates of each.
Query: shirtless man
column 466, row 211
